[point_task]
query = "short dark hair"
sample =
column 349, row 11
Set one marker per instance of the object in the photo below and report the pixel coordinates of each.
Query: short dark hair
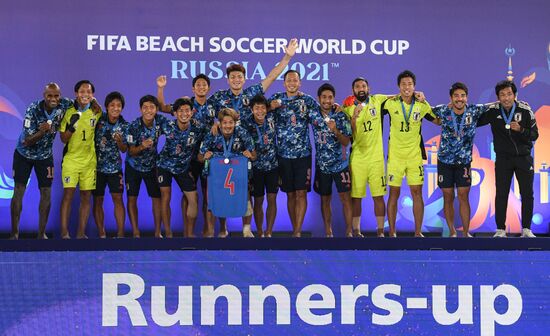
column 82, row 82
column 406, row 74
column 505, row 84
column 258, row 99
column 291, row 71
column 235, row 67
column 325, row 87
column 180, row 102
column 359, row 79
column 114, row 96
column 200, row 76
column 149, row 98
column 458, row 86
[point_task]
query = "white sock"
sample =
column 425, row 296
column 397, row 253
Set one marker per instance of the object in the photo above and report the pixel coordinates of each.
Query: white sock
column 246, row 227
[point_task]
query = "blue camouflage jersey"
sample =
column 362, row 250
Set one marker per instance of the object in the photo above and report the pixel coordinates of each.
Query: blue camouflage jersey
column 137, row 133
column 457, row 133
column 226, row 99
column 291, row 121
column 265, row 142
column 204, row 113
column 35, row 115
column 330, row 155
column 240, row 142
column 109, row 160
column 181, row 145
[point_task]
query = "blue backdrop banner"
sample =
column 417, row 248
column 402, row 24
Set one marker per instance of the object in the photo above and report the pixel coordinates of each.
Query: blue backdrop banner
column 275, row 293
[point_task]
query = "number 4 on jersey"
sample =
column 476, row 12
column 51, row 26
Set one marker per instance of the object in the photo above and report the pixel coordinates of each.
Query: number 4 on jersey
column 228, row 184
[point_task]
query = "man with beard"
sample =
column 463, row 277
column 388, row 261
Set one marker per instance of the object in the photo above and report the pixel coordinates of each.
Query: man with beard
column 367, row 152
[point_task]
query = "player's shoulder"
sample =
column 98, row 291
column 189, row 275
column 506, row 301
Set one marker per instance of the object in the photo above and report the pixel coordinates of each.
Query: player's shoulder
column 524, row 105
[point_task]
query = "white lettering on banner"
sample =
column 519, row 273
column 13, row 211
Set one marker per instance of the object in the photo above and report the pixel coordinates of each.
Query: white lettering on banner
column 125, row 290
column 108, row 42
column 312, row 71
column 244, row 45
column 382, row 47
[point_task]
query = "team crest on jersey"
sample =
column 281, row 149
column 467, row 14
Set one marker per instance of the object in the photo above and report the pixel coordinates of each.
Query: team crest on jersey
column 237, row 144
column 517, row 117
column 416, row 116
column 468, row 119
column 373, row 112
column 191, row 140
column 246, row 101
column 302, row 107
column 130, row 138
column 211, row 111
column 27, row 123
column 92, row 122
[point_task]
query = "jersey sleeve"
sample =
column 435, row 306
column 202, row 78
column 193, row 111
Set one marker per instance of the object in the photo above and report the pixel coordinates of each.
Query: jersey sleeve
column 343, row 124
column 206, row 143
column 66, row 120
column 30, row 123
column 427, row 112
column 131, row 135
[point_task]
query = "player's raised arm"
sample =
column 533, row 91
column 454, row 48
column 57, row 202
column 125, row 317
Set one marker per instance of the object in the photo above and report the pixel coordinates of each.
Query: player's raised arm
column 290, row 50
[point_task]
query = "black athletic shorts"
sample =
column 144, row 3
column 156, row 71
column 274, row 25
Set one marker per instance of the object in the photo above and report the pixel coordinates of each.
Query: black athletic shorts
column 449, row 176
column 22, row 167
column 323, row 181
column 196, row 169
column 295, row 174
column 264, row 182
column 113, row 180
column 133, row 182
column 185, row 180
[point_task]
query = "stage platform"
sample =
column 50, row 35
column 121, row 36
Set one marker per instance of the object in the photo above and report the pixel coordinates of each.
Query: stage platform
column 309, row 244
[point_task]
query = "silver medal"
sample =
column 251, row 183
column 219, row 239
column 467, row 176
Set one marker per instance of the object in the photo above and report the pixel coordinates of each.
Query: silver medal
column 507, row 126
column 49, row 122
column 226, row 161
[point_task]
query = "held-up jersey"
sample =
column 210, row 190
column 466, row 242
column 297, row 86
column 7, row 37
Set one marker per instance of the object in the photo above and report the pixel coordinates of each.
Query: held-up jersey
column 368, row 142
column 109, row 160
column 137, row 133
column 265, row 138
column 180, row 146
column 228, row 186
column 291, row 121
column 34, row 116
column 330, row 155
column 79, row 152
column 226, row 98
column 405, row 137
column 455, row 148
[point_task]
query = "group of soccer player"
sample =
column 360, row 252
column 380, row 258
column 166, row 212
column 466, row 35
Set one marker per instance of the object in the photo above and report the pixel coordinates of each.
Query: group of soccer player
column 274, row 134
